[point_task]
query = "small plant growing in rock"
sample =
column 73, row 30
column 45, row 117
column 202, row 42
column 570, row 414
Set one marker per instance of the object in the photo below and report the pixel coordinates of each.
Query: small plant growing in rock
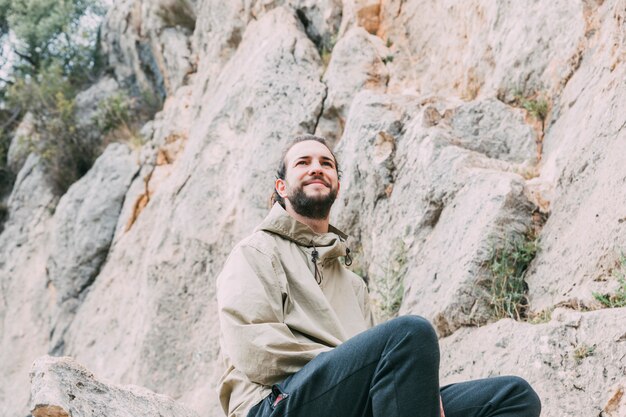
column 387, row 59
column 540, row 317
column 326, row 50
column 617, row 299
column 583, row 351
column 389, row 288
column 507, row 267
column 120, row 116
column 537, row 107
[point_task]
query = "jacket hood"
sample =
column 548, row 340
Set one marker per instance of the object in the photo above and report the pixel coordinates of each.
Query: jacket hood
column 279, row 222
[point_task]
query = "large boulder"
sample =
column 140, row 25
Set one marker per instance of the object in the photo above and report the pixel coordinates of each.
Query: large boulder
column 60, row 387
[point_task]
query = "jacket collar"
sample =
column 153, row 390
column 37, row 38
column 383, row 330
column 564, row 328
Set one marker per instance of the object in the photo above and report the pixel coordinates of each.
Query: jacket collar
column 279, row 222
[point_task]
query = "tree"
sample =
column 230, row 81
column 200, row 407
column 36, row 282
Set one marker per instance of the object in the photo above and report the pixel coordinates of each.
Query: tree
column 47, row 32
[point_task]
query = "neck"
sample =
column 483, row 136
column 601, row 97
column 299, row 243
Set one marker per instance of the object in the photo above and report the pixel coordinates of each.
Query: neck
column 318, row 225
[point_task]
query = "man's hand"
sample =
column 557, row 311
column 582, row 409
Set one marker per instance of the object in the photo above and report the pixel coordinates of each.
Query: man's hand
column 441, row 407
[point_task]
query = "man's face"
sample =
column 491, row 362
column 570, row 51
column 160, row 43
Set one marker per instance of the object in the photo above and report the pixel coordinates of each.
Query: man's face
column 311, row 181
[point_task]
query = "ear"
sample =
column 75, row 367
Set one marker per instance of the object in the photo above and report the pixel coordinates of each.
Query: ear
column 338, row 186
column 281, row 187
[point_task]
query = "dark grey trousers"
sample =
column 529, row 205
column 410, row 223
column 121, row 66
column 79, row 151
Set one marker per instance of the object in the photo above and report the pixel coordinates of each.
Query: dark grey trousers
column 392, row 370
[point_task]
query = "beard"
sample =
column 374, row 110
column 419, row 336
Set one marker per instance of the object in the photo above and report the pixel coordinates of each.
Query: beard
column 316, row 207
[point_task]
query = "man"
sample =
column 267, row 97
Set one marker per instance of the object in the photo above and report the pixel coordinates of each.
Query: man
column 296, row 328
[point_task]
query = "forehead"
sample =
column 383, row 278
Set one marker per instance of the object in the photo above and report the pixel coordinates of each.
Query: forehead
column 308, row 148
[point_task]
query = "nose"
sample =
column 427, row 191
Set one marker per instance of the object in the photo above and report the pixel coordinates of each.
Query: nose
column 315, row 167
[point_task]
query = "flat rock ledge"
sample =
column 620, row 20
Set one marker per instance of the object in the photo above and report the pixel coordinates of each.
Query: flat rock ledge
column 61, row 387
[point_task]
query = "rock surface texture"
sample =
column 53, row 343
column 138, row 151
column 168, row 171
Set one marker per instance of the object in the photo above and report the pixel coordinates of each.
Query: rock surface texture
column 460, row 127
column 63, row 388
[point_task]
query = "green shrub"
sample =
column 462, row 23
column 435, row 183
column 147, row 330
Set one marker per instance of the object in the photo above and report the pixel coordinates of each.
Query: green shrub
column 113, row 112
column 617, row 299
column 120, row 116
column 61, row 142
column 507, row 267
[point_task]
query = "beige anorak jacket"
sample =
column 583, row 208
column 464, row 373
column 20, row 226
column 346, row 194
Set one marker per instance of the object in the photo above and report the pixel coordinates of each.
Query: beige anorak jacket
column 274, row 316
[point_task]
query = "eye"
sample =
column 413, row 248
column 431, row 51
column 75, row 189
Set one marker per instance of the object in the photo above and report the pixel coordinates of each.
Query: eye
column 328, row 164
column 301, row 162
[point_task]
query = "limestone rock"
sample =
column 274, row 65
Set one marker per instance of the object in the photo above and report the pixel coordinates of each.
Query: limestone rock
column 20, row 147
column 416, row 205
column 584, row 166
column 26, row 300
column 356, row 64
column 147, row 44
column 60, row 387
column 574, row 369
column 494, row 129
column 489, row 46
column 85, row 220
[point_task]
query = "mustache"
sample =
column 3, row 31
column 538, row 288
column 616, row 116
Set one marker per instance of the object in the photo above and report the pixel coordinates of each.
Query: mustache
column 317, row 178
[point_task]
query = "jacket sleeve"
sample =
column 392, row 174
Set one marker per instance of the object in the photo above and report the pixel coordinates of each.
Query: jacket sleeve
column 250, row 308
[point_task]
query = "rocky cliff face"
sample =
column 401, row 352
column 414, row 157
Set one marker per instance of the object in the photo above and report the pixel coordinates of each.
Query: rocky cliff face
column 460, row 128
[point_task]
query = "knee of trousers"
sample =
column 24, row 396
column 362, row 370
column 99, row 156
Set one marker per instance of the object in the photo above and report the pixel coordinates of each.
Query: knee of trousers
column 415, row 329
column 526, row 395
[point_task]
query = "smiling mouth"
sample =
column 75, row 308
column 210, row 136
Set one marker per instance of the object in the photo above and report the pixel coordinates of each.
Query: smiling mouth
column 321, row 182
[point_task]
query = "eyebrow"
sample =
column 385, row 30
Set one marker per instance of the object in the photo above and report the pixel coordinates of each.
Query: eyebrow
column 324, row 158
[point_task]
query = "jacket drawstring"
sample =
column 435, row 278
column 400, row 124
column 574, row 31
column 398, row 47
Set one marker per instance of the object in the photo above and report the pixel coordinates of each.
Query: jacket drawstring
column 317, row 273
column 348, row 261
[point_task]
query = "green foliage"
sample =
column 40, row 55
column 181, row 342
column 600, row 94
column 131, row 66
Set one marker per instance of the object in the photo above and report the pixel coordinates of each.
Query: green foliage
column 120, row 116
column 389, row 288
column 48, row 32
column 535, row 104
column 507, row 267
column 60, row 143
column 326, row 50
column 5, row 6
column 55, row 53
column 617, row 299
column 538, row 108
column 113, row 112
